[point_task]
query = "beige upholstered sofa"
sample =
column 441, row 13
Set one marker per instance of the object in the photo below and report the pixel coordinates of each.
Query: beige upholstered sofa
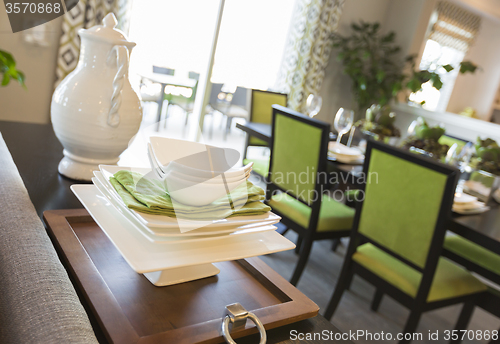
column 38, row 303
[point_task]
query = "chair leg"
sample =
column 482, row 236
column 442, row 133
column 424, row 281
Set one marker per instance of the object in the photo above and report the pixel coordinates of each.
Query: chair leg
column 335, row 244
column 305, row 250
column 298, row 244
column 246, row 147
column 377, row 299
column 166, row 115
column 349, row 282
column 411, row 325
column 228, row 126
column 343, row 282
column 463, row 319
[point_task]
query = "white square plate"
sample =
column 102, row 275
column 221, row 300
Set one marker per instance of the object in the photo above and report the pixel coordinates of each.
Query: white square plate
column 144, row 256
column 160, row 221
column 174, row 236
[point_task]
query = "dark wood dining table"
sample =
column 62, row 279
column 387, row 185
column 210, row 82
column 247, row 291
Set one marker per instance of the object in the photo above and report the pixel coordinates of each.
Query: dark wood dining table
column 262, row 131
column 37, row 152
column 482, row 229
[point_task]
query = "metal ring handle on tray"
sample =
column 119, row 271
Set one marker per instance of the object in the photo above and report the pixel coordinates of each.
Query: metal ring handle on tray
column 237, row 315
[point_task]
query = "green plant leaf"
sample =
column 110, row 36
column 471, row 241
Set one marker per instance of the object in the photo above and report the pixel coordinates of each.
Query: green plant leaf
column 448, row 68
column 414, row 85
column 468, row 66
column 5, row 79
column 436, row 81
column 389, row 38
column 9, row 70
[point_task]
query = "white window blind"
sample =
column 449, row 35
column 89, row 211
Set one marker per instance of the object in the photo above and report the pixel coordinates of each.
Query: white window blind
column 454, row 26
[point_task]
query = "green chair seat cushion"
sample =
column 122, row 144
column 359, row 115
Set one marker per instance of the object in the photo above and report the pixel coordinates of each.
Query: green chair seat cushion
column 450, row 280
column 253, row 141
column 473, row 252
column 333, row 216
column 260, row 166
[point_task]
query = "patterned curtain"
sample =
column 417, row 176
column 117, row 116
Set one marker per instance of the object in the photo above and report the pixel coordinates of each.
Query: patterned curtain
column 308, row 49
column 86, row 14
column 454, row 26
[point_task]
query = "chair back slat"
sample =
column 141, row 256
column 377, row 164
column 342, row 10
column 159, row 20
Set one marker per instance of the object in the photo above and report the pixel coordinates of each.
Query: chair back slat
column 298, row 153
column 405, row 196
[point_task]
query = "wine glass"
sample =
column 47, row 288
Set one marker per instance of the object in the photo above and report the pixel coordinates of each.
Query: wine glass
column 343, row 122
column 313, row 104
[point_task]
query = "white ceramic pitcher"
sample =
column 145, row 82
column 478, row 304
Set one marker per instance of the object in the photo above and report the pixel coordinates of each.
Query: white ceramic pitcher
column 94, row 111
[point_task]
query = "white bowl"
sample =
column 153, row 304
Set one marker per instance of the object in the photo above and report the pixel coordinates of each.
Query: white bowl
column 198, row 194
column 193, row 154
column 181, row 170
column 188, row 177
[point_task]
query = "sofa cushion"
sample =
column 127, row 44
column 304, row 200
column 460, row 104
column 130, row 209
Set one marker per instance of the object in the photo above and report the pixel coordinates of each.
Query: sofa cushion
column 38, row 303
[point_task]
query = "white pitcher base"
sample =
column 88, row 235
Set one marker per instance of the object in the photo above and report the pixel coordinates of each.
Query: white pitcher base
column 78, row 168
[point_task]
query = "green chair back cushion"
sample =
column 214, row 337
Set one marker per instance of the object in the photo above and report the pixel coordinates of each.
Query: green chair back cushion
column 261, row 110
column 401, row 206
column 295, row 156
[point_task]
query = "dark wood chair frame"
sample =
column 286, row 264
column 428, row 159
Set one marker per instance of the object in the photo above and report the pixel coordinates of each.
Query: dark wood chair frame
column 309, row 234
column 247, row 142
column 489, row 302
column 419, row 304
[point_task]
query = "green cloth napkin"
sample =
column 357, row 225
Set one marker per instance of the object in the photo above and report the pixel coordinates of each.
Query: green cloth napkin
column 151, row 196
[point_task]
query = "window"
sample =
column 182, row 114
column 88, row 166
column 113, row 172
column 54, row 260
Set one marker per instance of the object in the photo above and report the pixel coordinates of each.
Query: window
column 178, row 35
column 452, row 31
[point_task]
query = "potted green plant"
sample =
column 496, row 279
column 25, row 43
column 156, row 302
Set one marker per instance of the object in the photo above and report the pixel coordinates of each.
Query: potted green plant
column 378, row 74
column 425, row 140
column 379, row 123
column 8, row 69
column 487, row 156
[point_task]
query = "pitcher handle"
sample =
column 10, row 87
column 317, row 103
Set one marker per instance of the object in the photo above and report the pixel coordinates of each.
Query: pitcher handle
column 119, row 53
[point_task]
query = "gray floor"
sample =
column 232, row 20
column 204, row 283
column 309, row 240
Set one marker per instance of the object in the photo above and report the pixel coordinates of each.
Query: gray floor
column 320, row 275
column 353, row 313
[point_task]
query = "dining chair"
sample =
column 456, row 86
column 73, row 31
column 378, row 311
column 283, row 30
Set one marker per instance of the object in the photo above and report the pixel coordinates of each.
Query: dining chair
column 261, row 112
column 237, row 108
column 481, row 261
column 297, row 179
column 185, row 103
column 150, row 91
column 398, row 235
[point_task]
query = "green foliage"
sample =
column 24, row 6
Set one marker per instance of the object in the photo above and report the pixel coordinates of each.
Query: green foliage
column 369, row 59
column 372, row 61
column 487, row 156
column 8, row 69
column 379, row 121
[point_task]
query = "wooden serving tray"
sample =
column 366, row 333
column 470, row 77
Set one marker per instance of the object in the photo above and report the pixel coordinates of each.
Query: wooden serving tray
column 129, row 309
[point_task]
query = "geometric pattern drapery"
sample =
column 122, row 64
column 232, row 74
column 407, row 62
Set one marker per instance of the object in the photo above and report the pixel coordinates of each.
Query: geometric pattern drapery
column 86, row 14
column 454, row 26
column 307, row 49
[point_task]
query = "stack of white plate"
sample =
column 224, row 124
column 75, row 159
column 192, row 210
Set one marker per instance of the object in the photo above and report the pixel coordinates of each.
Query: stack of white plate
column 467, row 204
column 344, row 154
column 155, row 246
